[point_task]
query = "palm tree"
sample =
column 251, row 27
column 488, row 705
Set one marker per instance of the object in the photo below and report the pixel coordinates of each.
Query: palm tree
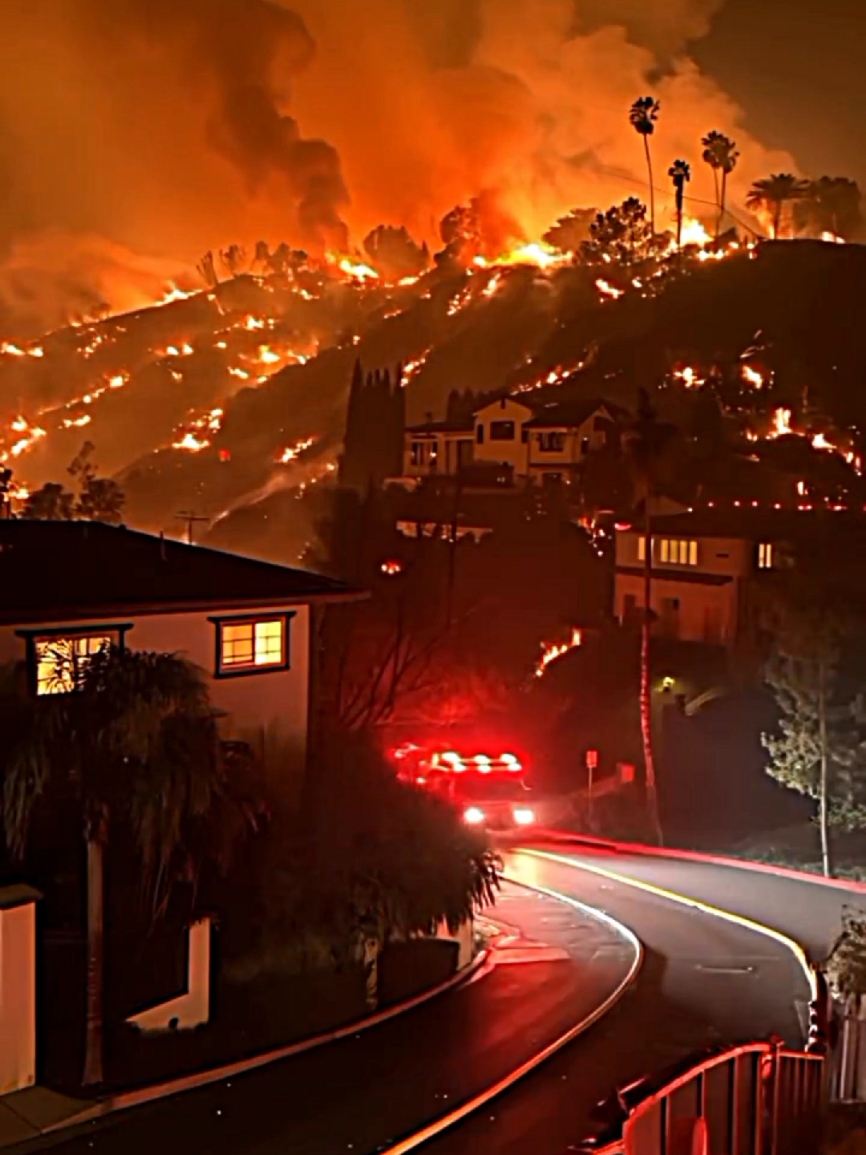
column 680, row 173
column 773, row 193
column 642, row 117
column 648, row 443
column 720, row 153
column 136, row 745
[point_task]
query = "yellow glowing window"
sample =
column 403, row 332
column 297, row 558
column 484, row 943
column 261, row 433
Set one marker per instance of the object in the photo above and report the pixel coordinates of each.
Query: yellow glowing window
column 61, row 661
column 765, row 555
column 252, row 645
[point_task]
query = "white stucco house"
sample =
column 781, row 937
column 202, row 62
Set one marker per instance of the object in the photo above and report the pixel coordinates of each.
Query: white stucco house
column 71, row 587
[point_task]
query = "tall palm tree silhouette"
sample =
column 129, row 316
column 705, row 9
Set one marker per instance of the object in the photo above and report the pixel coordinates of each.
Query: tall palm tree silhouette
column 680, row 173
column 774, row 192
column 642, row 117
column 720, row 153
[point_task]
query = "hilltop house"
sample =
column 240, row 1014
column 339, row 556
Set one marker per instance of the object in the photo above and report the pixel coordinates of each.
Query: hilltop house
column 705, row 570
column 71, row 587
column 531, row 438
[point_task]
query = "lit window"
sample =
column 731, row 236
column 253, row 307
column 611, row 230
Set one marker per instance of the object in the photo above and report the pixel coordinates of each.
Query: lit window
column 252, row 645
column 61, row 661
column 641, row 549
column 674, row 551
column 765, row 555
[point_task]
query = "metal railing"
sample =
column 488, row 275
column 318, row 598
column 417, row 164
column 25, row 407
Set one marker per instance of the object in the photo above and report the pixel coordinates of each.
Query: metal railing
column 754, row 1099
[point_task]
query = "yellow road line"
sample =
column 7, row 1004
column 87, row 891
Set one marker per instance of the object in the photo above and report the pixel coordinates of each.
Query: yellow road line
column 685, row 900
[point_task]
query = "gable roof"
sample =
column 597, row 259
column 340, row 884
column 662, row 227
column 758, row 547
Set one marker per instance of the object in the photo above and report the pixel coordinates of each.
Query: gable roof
column 59, row 571
column 467, row 425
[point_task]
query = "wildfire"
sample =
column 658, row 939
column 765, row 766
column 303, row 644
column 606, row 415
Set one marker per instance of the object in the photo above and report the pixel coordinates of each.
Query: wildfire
column 77, row 422
column 550, row 651
column 268, row 356
column 492, row 286
column 608, row 290
column 173, row 293
column 781, row 423
column 752, row 376
column 252, row 323
column 688, row 377
column 356, row 270
column 294, row 451
column 11, row 350
column 459, row 301
column 195, row 436
column 535, row 253
column 413, row 368
column 28, row 434
column 694, row 233
column 832, row 239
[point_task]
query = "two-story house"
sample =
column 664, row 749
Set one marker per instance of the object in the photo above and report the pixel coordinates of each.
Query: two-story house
column 70, row 588
column 704, row 566
column 533, row 439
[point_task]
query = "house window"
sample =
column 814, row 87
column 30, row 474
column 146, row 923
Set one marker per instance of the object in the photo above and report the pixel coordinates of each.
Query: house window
column 60, row 660
column 765, row 555
column 675, row 551
column 479, row 434
column 551, row 442
column 641, row 549
column 501, row 430
column 252, row 645
column 584, row 445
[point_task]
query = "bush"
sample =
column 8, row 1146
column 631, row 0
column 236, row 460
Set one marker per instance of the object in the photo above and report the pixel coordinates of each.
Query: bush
column 368, row 860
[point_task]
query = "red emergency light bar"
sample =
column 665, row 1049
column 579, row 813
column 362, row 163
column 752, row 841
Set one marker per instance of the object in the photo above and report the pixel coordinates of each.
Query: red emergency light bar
column 452, row 762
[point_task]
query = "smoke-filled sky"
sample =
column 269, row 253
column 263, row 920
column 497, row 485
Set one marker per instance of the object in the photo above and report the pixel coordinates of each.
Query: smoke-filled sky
column 135, row 134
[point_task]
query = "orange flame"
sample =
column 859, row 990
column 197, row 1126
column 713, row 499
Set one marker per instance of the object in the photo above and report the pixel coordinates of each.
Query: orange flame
column 550, row 651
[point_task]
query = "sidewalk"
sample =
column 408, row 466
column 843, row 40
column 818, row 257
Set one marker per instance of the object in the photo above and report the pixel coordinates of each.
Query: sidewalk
column 553, row 967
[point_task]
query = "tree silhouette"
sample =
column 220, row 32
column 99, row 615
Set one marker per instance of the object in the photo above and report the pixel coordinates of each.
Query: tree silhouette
column 393, row 252
column 207, row 270
column 233, row 259
column 649, row 444
column 680, row 174
column 772, row 193
column 136, row 745
column 49, row 503
column 621, row 235
column 720, row 153
column 642, row 117
column 831, row 205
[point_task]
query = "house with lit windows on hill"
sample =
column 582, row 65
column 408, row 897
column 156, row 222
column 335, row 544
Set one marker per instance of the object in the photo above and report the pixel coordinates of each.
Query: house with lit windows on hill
column 706, row 569
column 71, row 588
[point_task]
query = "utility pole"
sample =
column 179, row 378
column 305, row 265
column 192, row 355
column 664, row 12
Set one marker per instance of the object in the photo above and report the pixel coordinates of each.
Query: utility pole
column 190, row 517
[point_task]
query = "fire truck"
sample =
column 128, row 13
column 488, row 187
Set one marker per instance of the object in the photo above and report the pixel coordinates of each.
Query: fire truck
column 486, row 790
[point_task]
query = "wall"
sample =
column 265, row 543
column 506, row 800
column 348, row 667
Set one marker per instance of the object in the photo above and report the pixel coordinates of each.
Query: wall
column 716, row 555
column 17, row 988
column 515, row 452
column 268, row 710
column 572, row 452
column 707, row 613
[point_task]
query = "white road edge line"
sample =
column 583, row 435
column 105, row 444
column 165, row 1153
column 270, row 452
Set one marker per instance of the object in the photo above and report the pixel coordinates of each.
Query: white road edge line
column 685, row 900
column 470, row 1106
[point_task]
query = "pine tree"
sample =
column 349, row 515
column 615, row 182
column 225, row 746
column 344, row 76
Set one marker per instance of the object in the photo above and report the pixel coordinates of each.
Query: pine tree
column 817, row 749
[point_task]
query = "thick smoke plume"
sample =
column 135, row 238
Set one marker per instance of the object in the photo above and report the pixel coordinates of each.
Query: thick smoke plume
column 169, row 127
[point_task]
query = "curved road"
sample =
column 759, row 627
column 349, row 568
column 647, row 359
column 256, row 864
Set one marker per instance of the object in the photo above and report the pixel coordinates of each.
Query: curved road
column 705, row 981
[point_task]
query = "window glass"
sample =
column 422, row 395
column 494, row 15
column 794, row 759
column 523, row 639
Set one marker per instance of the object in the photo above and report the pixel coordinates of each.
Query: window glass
column 252, row 644
column 60, row 662
column 479, row 434
column 501, row 430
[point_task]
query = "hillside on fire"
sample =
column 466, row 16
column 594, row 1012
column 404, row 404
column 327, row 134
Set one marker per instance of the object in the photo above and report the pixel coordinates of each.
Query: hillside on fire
column 231, row 401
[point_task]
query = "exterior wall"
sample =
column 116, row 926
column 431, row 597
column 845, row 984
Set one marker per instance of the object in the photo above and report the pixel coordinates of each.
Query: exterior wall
column 192, row 1008
column 734, row 557
column 705, row 613
column 514, row 452
column 17, row 990
column 267, row 709
column 573, row 451
column 441, row 452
